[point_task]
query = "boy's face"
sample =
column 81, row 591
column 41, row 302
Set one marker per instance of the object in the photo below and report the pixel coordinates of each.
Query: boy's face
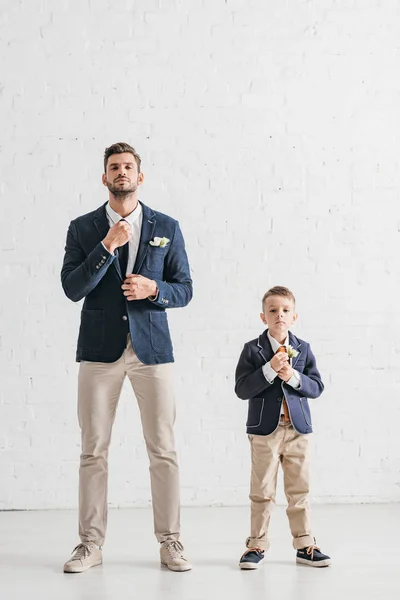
column 279, row 315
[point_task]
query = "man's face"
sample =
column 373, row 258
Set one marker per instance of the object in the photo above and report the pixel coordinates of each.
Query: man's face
column 121, row 176
column 279, row 315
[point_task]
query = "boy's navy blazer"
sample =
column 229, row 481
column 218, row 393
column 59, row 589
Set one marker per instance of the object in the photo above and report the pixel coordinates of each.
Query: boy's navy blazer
column 265, row 398
column 92, row 273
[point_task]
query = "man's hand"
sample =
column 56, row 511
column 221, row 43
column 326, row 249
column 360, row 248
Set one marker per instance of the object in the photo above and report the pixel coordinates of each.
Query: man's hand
column 279, row 360
column 137, row 287
column 117, row 236
column 286, row 372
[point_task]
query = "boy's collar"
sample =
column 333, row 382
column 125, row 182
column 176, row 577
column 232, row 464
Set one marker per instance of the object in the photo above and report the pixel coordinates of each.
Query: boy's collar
column 275, row 343
column 265, row 348
column 263, row 338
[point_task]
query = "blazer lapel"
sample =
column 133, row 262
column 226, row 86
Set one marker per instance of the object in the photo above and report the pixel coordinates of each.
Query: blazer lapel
column 264, row 347
column 101, row 222
column 294, row 342
column 146, row 234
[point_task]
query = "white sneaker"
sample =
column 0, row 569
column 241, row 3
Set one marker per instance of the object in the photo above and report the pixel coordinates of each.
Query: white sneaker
column 84, row 557
column 171, row 554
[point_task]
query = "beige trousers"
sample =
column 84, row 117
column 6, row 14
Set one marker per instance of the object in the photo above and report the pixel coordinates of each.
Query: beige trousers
column 290, row 449
column 99, row 388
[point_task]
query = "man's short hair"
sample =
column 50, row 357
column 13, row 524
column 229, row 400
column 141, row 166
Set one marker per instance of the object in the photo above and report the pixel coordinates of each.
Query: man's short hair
column 279, row 290
column 119, row 148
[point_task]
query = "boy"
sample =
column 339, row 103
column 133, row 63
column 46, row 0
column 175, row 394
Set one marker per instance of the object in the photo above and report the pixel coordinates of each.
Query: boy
column 277, row 373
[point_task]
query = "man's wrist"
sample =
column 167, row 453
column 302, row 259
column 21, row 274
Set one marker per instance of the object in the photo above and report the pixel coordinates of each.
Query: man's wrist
column 154, row 293
column 108, row 247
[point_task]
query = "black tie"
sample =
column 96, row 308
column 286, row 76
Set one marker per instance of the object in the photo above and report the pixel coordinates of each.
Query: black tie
column 123, row 253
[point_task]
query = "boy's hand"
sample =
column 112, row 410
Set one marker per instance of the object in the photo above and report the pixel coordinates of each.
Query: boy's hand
column 286, row 372
column 279, row 360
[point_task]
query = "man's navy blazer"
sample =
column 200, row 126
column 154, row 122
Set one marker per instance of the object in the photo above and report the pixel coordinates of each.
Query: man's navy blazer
column 90, row 272
column 265, row 399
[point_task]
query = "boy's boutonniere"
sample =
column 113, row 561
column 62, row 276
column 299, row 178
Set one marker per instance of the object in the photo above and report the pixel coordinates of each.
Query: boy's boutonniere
column 159, row 242
column 292, row 353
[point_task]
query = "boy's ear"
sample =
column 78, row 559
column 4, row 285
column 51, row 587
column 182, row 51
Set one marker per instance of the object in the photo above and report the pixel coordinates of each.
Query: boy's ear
column 262, row 317
column 295, row 317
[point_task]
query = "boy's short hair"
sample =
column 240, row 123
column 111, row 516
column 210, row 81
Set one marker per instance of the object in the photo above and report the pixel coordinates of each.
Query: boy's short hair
column 278, row 290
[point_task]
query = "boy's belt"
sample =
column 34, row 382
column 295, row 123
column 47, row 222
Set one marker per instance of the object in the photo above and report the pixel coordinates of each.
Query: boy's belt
column 285, row 416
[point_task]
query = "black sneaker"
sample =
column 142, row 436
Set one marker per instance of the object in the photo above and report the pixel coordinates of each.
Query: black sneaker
column 313, row 557
column 251, row 559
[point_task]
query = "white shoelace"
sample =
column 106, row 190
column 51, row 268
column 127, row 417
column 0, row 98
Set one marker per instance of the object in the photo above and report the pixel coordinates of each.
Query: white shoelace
column 174, row 548
column 81, row 552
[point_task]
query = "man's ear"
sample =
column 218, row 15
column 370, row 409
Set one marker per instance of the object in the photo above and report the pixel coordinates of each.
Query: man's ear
column 140, row 178
column 104, row 179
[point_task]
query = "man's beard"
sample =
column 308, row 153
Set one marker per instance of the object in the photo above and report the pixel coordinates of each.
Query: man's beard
column 121, row 194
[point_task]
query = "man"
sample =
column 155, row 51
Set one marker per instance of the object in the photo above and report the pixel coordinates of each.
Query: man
column 129, row 263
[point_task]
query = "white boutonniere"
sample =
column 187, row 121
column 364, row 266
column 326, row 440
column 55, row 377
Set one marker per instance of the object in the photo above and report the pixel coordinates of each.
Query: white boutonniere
column 159, row 242
column 292, row 353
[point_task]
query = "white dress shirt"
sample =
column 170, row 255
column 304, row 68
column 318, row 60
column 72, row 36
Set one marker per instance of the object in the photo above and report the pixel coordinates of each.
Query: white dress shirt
column 269, row 372
column 135, row 221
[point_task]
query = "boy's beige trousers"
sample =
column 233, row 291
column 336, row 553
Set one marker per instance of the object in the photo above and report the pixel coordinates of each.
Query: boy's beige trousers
column 289, row 449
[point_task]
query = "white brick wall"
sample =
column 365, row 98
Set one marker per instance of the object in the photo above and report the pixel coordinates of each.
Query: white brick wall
column 271, row 130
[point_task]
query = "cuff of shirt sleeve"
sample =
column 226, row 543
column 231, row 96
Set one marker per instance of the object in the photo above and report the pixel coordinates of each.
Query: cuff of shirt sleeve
column 154, row 298
column 295, row 380
column 269, row 372
column 106, row 249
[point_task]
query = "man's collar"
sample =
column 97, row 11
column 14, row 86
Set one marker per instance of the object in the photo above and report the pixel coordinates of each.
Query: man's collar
column 115, row 217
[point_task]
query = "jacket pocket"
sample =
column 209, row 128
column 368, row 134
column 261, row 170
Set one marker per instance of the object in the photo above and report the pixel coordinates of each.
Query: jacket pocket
column 305, row 409
column 92, row 330
column 256, row 407
column 160, row 338
column 155, row 258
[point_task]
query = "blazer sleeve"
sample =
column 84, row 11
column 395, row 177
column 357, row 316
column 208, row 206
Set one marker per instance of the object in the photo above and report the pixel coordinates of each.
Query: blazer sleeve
column 311, row 385
column 80, row 273
column 176, row 289
column 249, row 380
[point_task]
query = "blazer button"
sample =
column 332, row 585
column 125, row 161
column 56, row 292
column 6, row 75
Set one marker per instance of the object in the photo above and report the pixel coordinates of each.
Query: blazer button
column 124, row 318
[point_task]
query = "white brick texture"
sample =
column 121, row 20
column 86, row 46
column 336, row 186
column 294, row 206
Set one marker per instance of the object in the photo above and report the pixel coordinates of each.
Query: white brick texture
column 271, row 131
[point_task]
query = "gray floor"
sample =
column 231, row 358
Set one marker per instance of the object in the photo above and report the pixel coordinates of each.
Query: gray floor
column 360, row 539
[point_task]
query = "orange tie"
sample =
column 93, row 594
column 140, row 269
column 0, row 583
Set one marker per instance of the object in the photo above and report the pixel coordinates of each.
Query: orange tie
column 286, row 416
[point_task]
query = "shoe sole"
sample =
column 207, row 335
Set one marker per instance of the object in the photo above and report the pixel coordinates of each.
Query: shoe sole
column 181, row 569
column 82, row 569
column 249, row 566
column 310, row 563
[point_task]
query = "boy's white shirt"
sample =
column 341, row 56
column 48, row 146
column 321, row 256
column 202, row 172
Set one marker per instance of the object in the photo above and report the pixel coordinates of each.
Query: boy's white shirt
column 269, row 372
